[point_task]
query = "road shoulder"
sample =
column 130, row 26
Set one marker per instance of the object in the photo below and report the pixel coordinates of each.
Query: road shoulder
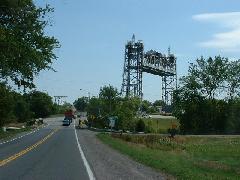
column 107, row 163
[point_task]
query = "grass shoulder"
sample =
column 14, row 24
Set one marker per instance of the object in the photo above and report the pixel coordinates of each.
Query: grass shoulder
column 184, row 157
column 12, row 133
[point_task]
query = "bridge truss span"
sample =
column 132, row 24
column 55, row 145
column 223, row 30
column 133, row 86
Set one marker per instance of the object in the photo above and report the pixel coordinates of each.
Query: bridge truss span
column 136, row 62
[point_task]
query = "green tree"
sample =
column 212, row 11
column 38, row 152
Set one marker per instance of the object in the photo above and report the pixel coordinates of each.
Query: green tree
column 146, row 106
column 210, row 74
column 158, row 103
column 81, row 103
column 93, row 107
column 126, row 112
column 25, row 50
column 9, row 3
column 233, row 115
column 21, row 108
column 95, row 111
column 61, row 109
column 6, row 104
column 233, row 78
column 40, row 103
column 200, row 102
column 109, row 97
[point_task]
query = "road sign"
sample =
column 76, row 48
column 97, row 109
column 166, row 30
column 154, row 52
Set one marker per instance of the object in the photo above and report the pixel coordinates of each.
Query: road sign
column 112, row 121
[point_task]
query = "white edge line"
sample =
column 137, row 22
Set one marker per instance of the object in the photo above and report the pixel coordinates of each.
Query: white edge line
column 4, row 142
column 89, row 171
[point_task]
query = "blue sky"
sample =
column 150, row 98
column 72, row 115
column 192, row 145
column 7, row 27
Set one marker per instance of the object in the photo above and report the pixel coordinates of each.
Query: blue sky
column 93, row 33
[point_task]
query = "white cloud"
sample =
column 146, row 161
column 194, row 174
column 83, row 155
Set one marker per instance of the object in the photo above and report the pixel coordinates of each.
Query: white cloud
column 228, row 40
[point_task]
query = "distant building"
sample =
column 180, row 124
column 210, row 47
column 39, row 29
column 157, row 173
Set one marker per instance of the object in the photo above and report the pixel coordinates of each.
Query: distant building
column 159, row 108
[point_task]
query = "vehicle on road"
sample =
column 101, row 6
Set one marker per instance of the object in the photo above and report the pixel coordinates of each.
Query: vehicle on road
column 66, row 122
column 146, row 116
column 69, row 114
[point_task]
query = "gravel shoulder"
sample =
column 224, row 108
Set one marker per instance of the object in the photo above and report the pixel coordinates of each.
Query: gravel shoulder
column 108, row 164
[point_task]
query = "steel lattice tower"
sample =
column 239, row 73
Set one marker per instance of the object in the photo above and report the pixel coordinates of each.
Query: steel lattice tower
column 132, row 70
column 136, row 62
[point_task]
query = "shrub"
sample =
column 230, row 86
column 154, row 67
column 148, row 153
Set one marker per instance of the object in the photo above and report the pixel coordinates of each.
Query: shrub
column 172, row 132
column 140, row 126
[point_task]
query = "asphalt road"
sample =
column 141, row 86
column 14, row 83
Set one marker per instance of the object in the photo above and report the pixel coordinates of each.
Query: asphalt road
column 64, row 153
column 50, row 153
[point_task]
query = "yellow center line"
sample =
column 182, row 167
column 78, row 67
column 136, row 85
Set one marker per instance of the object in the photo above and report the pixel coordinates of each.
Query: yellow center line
column 19, row 154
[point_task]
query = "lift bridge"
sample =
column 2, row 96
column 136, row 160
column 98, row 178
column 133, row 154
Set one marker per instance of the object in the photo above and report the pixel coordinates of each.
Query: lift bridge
column 137, row 61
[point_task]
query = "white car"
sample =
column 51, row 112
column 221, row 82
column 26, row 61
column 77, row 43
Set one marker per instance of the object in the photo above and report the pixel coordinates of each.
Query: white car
column 146, row 116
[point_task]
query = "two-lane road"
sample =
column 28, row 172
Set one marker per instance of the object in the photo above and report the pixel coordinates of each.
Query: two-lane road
column 50, row 153
column 64, row 153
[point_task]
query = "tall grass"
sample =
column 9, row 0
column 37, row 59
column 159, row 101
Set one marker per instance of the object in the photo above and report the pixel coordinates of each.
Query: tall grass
column 159, row 125
column 185, row 157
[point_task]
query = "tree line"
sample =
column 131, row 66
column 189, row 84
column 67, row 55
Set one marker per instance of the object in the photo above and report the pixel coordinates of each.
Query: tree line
column 109, row 103
column 23, row 108
column 206, row 102
column 207, row 99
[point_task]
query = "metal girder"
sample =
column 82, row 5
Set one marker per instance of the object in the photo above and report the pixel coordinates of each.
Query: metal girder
column 136, row 62
column 132, row 70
